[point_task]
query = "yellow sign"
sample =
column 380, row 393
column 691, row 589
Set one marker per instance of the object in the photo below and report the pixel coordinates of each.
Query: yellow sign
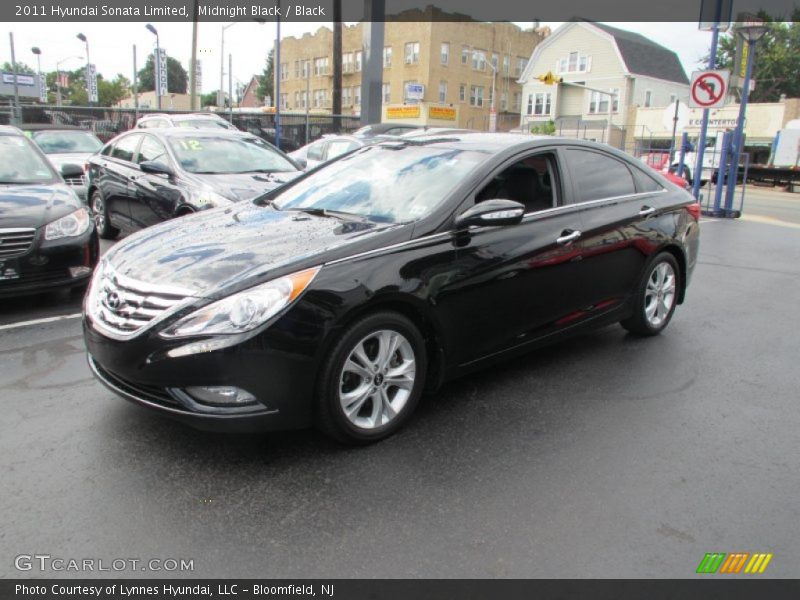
column 443, row 113
column 403, row 112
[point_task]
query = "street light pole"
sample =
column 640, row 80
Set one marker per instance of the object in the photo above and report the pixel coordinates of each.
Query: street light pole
column 221, row 94
column 156, row 64
column 16, row 85
column 83, row 38
column 42, row 87
column 58, row 78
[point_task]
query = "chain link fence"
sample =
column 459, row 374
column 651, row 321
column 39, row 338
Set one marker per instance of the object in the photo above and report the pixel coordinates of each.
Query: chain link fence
column 106, row 123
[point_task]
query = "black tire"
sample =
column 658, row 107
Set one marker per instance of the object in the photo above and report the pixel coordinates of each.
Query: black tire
column 639, row 323
column 100, row 217
column 330, row 414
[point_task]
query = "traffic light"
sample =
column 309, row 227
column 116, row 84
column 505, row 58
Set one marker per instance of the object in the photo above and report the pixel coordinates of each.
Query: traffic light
column 549, row 79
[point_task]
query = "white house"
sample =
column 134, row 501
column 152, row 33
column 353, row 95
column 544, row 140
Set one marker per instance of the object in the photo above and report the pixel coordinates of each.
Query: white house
column 636, row 70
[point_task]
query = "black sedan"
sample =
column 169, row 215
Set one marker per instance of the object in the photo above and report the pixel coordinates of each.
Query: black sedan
column 338, row 298
column 47, row 238
column 144, row 177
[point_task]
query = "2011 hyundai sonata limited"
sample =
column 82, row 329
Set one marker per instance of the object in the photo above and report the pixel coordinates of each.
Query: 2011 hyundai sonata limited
column 336, row 299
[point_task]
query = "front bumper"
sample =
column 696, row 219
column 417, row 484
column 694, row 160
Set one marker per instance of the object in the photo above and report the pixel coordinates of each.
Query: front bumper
column 65, row 264
column 140, row 371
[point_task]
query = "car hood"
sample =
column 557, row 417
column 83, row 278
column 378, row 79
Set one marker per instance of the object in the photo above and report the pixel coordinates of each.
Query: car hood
column 237, row 246
column 35, row 205
column 70, row 158
column 244, row 186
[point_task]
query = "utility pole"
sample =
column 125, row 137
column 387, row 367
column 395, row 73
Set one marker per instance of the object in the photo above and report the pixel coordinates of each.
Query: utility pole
column 193, row 61
column 16, row 86
column 277, row 80
column 336, row 107
column 230, row 88
column 135, row 87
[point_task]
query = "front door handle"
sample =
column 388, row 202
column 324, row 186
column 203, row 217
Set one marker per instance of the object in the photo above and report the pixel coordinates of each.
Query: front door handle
column 646, row 211
column 567, row 236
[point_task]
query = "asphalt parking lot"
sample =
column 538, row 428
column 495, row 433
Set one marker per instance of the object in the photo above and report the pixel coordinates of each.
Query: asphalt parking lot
column 604, row 456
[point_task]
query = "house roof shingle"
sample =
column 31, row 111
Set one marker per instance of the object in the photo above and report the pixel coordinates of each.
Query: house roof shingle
column 644, row 57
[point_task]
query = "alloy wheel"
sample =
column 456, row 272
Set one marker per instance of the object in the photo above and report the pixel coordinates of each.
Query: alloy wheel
column 377, row 379
column 99, row 212
column 659, row 296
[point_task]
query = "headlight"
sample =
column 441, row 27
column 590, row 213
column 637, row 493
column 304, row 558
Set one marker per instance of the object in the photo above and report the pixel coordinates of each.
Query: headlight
column 207, row 198
column 243, row 311
column 71, row 225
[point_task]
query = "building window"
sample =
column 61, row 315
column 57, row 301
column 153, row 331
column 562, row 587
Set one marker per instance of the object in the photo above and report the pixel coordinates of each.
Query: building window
column 357, row 95
column 387, row 57
column 284, row 101
column 284, row 71
column 462, row 93
column 495, row 61
column 520, row 66
column 321, row 66
column 506, row 64
column 442, row 91
column 479, row 60
column 445, row 53
column 648, row 98
column 539, row 104
column 359, row 56
column 476, row 95
column 347, row 98
column 504, row 101
column 412, row 53
column 387, row 92
column 573, row 63
column 598, row 103
column 465, row 55
column 517, row 101
column 347, row 62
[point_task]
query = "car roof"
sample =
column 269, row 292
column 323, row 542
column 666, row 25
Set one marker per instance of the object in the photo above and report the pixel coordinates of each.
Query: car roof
column 181, row 116
column 50, row 127
column 178, row 132
column 10, row 130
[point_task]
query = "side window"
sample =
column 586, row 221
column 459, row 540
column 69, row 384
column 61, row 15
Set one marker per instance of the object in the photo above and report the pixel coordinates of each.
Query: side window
column 152, row 149
column 106, row 151
column 645, row 183
column 531, row 181
column 125, row 148
column 315, row 151
column 597, row 176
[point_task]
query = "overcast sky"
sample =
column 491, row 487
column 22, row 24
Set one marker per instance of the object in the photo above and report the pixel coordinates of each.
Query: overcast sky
column 111, row 44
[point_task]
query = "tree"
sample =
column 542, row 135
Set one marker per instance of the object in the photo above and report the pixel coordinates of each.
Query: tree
column 111, row 92
column 22, row 68
column 266, row 82
column 177, row 78
column 776, row 62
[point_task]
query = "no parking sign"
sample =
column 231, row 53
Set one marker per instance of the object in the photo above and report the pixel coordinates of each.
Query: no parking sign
column 709, row 89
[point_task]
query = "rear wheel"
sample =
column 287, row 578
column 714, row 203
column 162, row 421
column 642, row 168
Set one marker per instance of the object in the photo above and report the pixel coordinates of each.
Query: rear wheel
column 372, row 379
column 100, row 216
column 656, row 297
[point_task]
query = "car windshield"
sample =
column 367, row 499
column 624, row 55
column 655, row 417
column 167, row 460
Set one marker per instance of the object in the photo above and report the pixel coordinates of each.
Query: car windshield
column 228, row 155
column 62, row 142
column 21, row 164
column 202, row 123
column 391, row 183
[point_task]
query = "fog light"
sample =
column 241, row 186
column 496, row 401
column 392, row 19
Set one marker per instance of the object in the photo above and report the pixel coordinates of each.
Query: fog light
column 79, row 271
column 221, row 395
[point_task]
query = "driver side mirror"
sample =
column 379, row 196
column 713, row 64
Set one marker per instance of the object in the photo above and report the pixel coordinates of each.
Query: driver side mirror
column 491, row 212
column 301, row 162
column 155, row 167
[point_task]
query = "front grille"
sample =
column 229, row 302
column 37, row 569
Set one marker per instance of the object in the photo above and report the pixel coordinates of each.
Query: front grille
column 150, row 393
column 15, row 242
column 76, row 181
column 124, row 306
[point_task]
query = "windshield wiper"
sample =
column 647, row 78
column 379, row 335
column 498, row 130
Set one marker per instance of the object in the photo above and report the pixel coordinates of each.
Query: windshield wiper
column 325, row 212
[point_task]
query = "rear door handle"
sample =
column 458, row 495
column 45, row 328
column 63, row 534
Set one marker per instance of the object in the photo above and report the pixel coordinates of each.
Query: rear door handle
column 567, row 236
column 646, row 211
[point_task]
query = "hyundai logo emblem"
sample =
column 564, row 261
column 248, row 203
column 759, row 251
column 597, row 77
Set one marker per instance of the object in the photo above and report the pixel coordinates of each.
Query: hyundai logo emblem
column 113, row 301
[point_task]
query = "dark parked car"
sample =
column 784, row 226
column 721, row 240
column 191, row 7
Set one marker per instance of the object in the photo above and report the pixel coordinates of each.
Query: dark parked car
column 65, row 145
column 338, row 298
column 144, row 177
column 47, row 239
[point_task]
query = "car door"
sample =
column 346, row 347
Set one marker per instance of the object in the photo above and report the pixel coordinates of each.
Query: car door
column 116, row 173
column 616, row 217
column 157, row 196
column 513, row 285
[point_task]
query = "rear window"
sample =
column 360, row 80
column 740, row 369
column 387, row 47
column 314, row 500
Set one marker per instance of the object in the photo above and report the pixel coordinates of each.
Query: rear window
column 21, row 163
column 65, row 142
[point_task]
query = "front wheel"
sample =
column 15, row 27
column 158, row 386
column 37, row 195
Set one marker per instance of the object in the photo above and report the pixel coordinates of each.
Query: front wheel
column 372, row 379
column 100, row 215
column 656, row 297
